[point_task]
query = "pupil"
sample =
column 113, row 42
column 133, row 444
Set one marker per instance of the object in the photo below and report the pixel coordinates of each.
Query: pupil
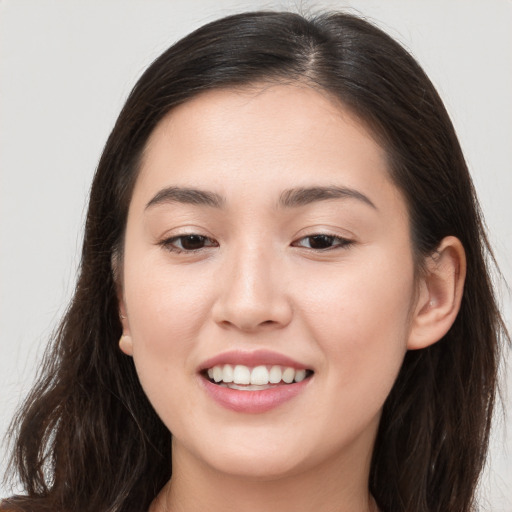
column 320, row 241
column 192, row 242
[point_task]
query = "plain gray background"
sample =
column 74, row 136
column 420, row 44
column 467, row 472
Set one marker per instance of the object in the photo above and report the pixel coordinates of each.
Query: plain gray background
column 65, row 69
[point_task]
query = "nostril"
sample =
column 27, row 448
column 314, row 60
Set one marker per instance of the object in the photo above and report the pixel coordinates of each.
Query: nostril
column 232, row 310
column 247, row 325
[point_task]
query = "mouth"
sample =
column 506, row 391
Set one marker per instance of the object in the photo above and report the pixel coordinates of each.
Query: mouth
column 254, row 382
column 258, row 378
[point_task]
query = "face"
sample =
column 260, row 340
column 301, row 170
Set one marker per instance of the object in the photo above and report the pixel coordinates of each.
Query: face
column 267, row 282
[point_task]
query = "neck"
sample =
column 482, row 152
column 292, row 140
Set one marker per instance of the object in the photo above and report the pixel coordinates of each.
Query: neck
column 331, row 487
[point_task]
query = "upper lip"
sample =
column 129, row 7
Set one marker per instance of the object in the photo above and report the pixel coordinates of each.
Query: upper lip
column 251, row 359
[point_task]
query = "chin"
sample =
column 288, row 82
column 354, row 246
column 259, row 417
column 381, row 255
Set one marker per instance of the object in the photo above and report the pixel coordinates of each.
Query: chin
column 260, row 458
column 257, row 467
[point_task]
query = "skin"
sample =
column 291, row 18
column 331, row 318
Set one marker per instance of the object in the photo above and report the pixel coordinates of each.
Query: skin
column 348, row 312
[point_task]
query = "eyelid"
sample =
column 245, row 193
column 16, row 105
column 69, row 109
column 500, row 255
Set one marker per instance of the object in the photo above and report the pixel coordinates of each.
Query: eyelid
column 182, row 231
column 341, row 242
column 167, row 243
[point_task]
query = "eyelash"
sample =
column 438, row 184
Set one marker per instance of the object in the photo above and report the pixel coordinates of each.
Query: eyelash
column 339, row 242
column 170, row 243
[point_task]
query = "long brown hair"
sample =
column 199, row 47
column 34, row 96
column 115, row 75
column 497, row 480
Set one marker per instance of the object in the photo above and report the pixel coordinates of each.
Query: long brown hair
column 87, row 438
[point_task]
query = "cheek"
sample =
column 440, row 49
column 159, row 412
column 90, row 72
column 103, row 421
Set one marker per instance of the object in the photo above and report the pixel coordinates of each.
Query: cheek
column 165, row 308
column 362, row 297
column 165, row 318
column 166, row 311
column 360, row 315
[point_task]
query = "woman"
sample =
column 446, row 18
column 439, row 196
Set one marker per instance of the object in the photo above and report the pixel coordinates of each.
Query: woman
column 284, row 243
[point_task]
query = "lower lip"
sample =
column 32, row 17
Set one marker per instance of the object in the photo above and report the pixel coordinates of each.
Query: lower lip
column 253, row 402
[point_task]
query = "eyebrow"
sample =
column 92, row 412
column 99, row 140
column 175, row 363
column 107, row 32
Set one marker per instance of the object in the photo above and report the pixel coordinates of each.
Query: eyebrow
column 296, row 197
column 292, row 198
column 187, row 196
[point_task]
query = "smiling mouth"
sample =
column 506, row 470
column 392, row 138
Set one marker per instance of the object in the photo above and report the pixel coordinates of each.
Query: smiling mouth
column 246, row 378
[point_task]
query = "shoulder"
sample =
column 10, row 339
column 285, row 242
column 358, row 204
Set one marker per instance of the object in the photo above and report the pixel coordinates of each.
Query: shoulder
column 5, row 506
column 27, row 504
column 11, row 505
column 8, row 506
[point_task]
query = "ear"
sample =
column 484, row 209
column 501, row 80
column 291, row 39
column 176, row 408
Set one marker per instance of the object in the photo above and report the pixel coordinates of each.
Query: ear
column 440, row 294
column 125, row 342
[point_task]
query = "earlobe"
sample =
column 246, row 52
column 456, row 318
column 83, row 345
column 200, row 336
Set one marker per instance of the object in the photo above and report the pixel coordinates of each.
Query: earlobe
column 126, row 345
column 440, row 294
column 125, row 341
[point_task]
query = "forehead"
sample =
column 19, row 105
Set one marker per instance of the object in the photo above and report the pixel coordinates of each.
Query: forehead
column 280, row 135
column 276, row 113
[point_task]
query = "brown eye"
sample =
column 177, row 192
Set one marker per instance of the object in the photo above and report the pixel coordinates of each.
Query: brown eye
column 322, row 242
column 192, row 242
column 188, row 243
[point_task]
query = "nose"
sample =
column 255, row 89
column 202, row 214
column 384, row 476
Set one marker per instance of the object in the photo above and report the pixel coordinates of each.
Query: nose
column 252, row 293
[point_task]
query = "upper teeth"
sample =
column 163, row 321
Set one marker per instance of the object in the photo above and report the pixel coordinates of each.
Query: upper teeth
column 259, row 375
